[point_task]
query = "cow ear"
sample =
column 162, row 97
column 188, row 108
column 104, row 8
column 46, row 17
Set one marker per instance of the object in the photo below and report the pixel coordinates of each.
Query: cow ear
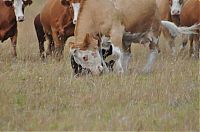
column 9, row 3
column 71, row 45
column 65, row 2
column 87, row 39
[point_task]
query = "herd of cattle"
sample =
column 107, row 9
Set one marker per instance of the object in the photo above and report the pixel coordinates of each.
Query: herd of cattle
column 105, row 29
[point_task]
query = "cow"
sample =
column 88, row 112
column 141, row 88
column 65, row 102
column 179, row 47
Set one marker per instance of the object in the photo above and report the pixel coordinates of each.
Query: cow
column 112, row 18
column 176, row 7
column 190, row 15
column 56, row 28
column 170, row 11
column 11, row 12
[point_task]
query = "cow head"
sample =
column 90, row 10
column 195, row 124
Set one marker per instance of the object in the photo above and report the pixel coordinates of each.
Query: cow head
column 19, row 6
column 176, row 6
column 75, row 4
column 87, row 54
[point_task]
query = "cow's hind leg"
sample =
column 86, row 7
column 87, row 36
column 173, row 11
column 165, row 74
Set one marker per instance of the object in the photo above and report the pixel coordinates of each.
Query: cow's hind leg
column 40, row 35
column 184, row 43
column 191, row 50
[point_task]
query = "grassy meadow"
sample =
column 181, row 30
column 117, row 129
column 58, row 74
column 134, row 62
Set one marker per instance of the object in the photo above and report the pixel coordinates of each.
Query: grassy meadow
column 45, row 96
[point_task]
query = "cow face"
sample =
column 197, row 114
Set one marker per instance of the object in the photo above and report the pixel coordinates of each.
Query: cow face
column 19, row 6
column 86, row 55
column 75, row 4
column 176, row 6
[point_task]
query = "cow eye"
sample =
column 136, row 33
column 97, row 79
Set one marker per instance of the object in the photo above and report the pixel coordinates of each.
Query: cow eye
column 85, row 58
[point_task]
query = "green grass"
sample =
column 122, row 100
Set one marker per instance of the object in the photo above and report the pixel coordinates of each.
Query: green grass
column 45, row 96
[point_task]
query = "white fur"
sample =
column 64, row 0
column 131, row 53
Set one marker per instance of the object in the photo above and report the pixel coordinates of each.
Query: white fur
column 76, row 7
column 116, row 55
column 176, row 7
column 151, row 60
column 93, row 63
column 175, row 31
column 18, row 10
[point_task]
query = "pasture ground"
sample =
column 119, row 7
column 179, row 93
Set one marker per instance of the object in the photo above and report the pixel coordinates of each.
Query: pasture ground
column 45, row 96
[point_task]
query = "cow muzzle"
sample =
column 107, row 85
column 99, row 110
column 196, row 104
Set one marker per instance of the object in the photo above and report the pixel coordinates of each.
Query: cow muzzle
column 20, row 18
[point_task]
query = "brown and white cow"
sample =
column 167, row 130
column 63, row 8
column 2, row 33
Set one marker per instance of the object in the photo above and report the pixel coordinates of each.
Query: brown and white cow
column 189, row 16
column 182, row 12
column 11, row 11
column 170, row 11
column 57, row 28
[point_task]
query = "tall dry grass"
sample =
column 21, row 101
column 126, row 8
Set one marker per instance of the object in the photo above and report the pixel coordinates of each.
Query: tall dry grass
column 45, row 96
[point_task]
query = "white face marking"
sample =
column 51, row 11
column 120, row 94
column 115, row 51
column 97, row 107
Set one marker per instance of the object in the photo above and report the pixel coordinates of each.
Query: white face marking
column 18, row 5
column 76, row 7
column 176, row 7
column 88, row 59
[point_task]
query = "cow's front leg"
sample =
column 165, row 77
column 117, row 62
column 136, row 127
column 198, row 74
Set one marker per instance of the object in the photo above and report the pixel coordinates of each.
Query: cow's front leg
column 50, row 47
column 152, row 55
column 116, row 37
column 126, row 54
column 59, row 46
column 197, row 46
column 172, row 46
column 14, row 45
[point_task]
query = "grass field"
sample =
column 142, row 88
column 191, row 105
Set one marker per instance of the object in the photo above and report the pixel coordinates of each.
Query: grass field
column 45, row 96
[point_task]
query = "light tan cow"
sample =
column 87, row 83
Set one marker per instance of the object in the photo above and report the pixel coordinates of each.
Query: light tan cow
column 114, row 18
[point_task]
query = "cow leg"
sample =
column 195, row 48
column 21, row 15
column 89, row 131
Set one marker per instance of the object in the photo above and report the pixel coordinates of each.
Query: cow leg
column 154, row 50
column 191, row 50
column 172, row 46
column 14, row 45
column 59, row 46
column 40, row 35
column 50, row 47
column 116, row 37
column 197, row 46
column 126, row 55
column 184, row 42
